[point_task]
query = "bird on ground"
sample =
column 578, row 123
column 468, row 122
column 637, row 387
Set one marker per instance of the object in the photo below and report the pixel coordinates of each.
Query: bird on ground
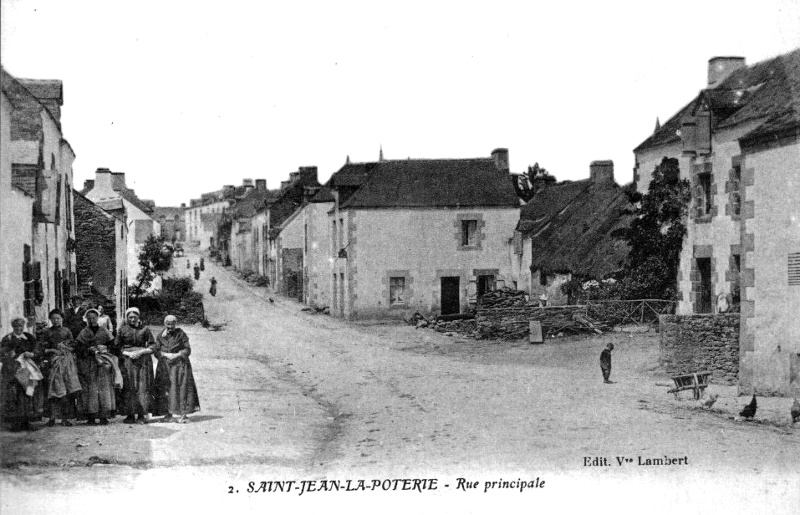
column 749, row 411
column 271, row 300
column 795, row 411
column 709, row 400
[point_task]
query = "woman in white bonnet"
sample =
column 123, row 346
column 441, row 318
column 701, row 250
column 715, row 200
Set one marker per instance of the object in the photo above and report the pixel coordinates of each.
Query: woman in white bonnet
column 173, row 351
column 135, row 344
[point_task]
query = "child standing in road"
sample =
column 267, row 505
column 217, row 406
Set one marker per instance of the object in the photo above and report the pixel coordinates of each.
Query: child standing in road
column 605, row 362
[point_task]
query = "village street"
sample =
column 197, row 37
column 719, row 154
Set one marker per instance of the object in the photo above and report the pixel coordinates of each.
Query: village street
column 288, row 394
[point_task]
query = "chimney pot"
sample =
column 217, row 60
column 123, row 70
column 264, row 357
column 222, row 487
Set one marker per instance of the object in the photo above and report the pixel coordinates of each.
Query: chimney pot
column 602, row 172
column 500, row 156
column 720, row 68
column 261, row 185
column 247, row 182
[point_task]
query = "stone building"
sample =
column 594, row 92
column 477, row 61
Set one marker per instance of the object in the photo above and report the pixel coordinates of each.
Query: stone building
column 285, row 235
column 738, row 143
column 16, row 215
column 107, row 190
column 38, row 236
column 172, row 222
column 565, row 232
column 426, row 235
column 102, row 253
column 246, row 232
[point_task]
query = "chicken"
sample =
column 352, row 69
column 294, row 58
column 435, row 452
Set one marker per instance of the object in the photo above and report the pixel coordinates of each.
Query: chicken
column 709, row 400
column 749, row 411
column 795, row 411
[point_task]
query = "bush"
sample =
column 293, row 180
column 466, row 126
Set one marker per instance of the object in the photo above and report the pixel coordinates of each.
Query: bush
column 176, row 298
column 259, row 280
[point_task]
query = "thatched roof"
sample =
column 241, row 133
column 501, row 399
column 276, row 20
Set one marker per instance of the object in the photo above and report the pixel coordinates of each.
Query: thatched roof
column 570, row 227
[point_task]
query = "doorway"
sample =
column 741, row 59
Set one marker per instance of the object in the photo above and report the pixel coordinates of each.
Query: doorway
column 704, row 267
column 450, row 296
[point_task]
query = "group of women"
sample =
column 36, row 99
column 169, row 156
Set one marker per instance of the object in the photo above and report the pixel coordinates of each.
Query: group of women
column 96, row 375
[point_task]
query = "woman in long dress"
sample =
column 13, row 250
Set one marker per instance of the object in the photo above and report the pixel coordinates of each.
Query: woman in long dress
column 135, row 344
column 173, row 353
column 62, row 374
column 20, row 404
column 96, row 371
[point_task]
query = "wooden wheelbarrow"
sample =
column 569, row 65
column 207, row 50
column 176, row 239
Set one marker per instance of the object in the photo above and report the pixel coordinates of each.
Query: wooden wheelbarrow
column 697, row 382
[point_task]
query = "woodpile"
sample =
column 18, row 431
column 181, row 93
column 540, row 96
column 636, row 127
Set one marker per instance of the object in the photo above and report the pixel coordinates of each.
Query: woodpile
column 503, row 298
column 513, row 323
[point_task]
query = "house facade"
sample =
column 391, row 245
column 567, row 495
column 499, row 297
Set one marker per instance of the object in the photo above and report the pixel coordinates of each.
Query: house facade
column 426, row 236
column 41, row 169
column 107, row 190
column 16, row 218
column 317, row 256
column 737, row 144
column 102, row 253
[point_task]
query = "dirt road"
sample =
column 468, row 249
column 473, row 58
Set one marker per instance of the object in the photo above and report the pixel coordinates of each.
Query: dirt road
column 288, row 394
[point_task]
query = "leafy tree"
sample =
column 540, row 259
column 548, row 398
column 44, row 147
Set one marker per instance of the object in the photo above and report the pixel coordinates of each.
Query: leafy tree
column 533, row 180
column 155, row 258
column 656, row 235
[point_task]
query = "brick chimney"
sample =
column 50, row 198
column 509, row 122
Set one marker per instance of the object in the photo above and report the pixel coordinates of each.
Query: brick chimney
column 183, row 205
column 500, row 156
column 261, row 185
column 720, row 68
column 601, row 173
column 88, row 185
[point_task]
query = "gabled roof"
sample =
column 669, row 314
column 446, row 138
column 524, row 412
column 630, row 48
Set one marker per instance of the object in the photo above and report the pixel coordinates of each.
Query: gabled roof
column 570, row 227
column 251, row 204
column 325, row 194
column 435, row 183
column 26, row 117
column 131, row 197
column 768, row 90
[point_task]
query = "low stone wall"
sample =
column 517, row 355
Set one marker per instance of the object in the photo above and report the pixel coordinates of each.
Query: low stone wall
column 465, row 327
column 513, row 322
column 696, row 343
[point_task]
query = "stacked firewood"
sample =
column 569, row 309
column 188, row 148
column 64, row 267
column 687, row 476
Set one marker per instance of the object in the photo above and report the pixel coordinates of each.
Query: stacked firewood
column 503, row 298
column 513, row 323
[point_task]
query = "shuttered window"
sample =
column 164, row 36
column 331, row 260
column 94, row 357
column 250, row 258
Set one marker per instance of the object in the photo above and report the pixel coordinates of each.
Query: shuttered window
column 794, row 269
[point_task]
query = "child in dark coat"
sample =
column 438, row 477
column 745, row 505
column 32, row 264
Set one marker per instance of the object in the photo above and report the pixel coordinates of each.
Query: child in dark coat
column 605, row 362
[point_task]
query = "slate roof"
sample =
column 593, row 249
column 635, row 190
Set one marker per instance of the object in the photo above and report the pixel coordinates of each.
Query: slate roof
column 768, row 90
column 325, row 194
column 570, row 226
column 434, row 183
column 130, row 196
column 251, row 204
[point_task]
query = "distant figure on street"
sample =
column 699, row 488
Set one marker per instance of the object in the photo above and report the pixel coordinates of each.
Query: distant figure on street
column 213, row 289
column 175, row 373
column 202, row 264
column 196, row 272
column 605, row 362
column 188, row 264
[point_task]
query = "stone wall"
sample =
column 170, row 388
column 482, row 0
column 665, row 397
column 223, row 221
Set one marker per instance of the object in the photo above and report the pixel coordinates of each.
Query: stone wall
column 697, row 343
column 95, row 248
column 513, row 322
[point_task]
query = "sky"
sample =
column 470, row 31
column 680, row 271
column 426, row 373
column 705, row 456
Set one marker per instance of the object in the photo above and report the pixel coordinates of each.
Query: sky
column 186, row 96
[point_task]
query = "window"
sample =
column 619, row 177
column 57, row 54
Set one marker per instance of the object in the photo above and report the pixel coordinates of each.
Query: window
column 704, row 179
column 704, row 295
column 542, row 278
column 794, row 269
column 469, row 231
column 397, row 295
